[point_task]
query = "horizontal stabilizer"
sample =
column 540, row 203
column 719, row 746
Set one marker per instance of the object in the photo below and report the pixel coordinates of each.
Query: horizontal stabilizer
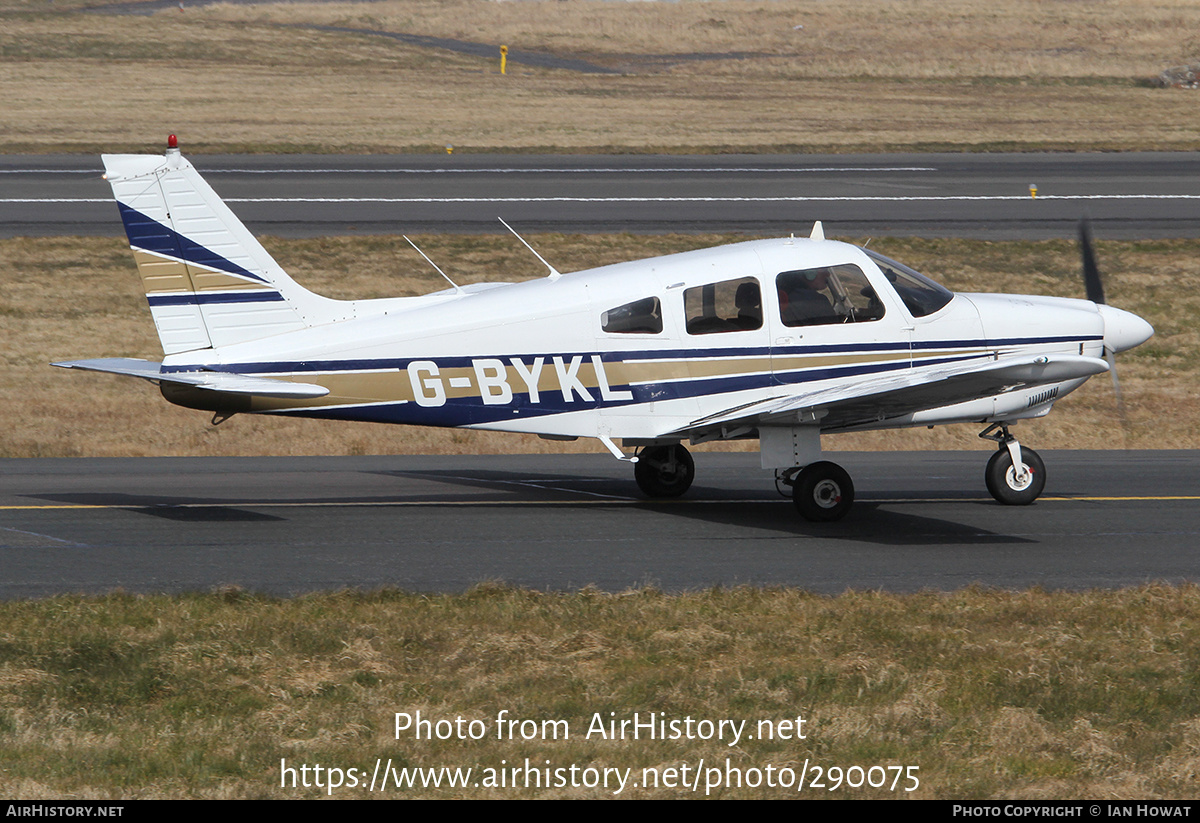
column 209, row 380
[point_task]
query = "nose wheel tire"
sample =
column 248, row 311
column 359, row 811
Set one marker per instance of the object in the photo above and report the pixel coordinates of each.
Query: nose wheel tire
column 664, row 471
column 823, row 492
column 1013, row 488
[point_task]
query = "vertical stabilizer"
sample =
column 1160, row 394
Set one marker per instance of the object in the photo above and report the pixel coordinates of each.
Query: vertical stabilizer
column 208, row 281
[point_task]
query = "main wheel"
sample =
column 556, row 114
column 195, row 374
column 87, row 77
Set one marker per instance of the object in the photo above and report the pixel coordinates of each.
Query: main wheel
column 664, row 471
column 823, row 492
column 1006, row 486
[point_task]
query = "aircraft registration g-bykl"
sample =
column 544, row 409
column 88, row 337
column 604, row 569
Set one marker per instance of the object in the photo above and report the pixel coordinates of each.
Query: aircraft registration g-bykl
column 781, row 340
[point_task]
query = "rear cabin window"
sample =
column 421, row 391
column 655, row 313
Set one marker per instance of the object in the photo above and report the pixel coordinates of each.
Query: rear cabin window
column 732, row 305
column 827, row 295
column 639, row 317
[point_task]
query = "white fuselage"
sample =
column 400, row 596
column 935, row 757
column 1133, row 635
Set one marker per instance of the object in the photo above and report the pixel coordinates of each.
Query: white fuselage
column 534, row 356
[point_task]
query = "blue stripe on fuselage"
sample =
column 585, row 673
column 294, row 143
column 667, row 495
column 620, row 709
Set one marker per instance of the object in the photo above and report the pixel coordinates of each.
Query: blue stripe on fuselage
column 387, row 364
column 470, row 411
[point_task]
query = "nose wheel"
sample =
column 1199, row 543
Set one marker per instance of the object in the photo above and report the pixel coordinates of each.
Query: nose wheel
column 1015, row 475
column 1012, row 486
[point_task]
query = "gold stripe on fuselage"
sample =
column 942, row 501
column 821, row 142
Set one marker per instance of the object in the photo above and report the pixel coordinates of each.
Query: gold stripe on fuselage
column 395, row 386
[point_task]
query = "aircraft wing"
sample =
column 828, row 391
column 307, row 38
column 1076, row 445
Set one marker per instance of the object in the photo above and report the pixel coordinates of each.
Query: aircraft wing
column 855, row 402
column 211, row 380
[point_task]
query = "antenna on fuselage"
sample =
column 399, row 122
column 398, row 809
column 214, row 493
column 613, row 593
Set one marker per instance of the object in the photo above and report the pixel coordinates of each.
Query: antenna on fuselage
column 554, row 273
column 457, row 289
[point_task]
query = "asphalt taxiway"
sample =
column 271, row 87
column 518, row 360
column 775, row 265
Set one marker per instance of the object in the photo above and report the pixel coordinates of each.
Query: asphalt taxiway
column 288, row 525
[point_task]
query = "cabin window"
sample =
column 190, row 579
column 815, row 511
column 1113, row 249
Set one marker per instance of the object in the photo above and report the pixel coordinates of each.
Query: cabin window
column 732, row 305
column 639, row 317
column 921, row 296
column 826, row 295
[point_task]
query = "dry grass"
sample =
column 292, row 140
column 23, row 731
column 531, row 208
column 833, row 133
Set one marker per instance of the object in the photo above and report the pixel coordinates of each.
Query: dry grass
column 1029, row 695
column 70, row 298
column 864, row 76
column 876, row 38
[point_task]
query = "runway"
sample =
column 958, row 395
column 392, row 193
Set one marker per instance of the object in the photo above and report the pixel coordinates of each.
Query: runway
column 442, row 524
column 1127, row 195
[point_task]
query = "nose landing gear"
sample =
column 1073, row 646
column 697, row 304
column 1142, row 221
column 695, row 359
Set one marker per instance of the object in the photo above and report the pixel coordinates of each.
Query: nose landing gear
column 1015, row 475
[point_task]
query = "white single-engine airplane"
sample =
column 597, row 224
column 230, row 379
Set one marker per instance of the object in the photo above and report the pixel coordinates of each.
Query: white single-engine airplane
column 783, row 340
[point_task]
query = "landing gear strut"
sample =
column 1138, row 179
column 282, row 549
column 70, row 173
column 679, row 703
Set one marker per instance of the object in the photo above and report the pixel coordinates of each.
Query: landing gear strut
column 822, row 492
column 1015, row 475
column 664, row 471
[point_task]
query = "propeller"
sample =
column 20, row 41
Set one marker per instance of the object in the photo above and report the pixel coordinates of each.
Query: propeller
column 1094, row 286
column 1091, row 272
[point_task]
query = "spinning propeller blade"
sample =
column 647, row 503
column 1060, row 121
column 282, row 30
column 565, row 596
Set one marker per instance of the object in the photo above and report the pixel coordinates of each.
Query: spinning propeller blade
column 1091, row 272
column 1112, row 369
column 1094, row 285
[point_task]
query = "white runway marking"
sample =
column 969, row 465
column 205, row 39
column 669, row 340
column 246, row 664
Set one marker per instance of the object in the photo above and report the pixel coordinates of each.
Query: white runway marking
column 43, row 536
column 796, row 199
column 745, row 170
column 592, row 498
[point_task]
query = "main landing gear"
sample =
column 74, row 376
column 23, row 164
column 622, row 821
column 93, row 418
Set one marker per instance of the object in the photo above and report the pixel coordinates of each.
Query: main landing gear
column 1015, row 476
column 822, row 492
column 664, row 471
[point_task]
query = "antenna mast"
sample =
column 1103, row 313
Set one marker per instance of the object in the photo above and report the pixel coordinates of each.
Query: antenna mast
column 457, row 289
column 554, row 273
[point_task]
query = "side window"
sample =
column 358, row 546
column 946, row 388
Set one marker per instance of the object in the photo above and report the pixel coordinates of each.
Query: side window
column 831, row 294
column 922, row 296
column 732, row 305
column 639, row 317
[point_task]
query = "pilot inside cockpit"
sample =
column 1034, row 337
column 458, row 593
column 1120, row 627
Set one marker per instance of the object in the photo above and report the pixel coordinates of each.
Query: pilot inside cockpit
column 828, row 295
column 804, row 297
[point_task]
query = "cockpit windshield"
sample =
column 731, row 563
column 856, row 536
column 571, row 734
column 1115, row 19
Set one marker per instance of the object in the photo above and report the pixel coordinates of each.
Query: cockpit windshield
column 921, row 296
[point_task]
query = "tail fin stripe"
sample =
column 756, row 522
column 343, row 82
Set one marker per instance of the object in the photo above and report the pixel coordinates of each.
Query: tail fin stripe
column 149, row 235
column 201, row 298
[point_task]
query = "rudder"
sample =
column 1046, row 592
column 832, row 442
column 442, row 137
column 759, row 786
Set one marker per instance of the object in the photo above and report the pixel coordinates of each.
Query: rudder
column 208, row 280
